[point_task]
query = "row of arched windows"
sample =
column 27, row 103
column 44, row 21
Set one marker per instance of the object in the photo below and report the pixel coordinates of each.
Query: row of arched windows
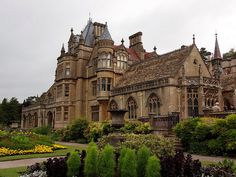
column 131, row 105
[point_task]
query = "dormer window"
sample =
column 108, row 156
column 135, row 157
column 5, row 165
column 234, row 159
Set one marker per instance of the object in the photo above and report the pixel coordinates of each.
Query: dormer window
column 122, row 61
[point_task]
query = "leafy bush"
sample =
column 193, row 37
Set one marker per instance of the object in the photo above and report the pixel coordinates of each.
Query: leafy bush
column 157, row 144
column 106, row 163
column 73, row 164
column 76, row 130
column 128, row 165
column 91, row 160
column 136, row 127
column 153, row 168
column 56, row 167
column 208, row 135
column 44, row 130
column 142, row 160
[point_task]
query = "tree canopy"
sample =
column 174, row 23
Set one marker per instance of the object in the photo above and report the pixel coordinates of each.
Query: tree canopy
column 10, row 111
column 230, row 54
column 204, row 53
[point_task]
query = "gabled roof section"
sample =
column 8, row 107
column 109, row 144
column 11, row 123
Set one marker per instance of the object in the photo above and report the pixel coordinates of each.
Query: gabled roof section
column 88, row 33
column 105, row 35
column 162, row 66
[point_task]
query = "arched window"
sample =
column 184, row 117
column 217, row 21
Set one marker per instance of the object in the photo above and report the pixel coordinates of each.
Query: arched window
column 132, row 108
column 154, row 104
column 113, row 105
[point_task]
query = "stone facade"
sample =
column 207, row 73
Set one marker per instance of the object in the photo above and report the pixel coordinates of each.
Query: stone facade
column 94, row 75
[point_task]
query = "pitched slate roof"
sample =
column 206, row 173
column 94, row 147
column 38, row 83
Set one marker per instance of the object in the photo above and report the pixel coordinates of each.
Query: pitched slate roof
column 166, row 65
column 88, row 34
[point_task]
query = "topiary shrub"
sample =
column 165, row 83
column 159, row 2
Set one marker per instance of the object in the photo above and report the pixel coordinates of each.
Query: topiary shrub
column 128, row 164
column 91, row 160
column 106, row 162
column 153, row 168
column 143, row 155
column 73, row 164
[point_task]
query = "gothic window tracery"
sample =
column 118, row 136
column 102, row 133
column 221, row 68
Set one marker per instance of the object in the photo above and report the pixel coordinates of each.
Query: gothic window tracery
column 104, row 60
column 132, row 108
column 193, row 102
column 154, row 104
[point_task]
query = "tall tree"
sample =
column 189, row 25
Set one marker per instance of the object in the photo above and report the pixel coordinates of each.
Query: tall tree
column 10, row 111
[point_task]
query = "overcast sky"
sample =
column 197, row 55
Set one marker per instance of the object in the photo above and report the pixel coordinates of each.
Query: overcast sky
column 32, row 32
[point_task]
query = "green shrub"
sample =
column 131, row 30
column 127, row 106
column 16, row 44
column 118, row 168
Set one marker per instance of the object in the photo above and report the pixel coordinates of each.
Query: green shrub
column 106, row 163
column 129, row 165
column 93, row 131
column 76, row 130
column 45, row 130
column 121, row 158
column 142, row 159
column 73, row 164
column 91, row 160
column 185, row 129
column 136, row 127
column 157, row 144
column 153, row 167
column 212, row 136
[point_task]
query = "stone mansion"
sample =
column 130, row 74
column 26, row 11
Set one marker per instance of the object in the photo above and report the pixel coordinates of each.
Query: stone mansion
column 95, row 75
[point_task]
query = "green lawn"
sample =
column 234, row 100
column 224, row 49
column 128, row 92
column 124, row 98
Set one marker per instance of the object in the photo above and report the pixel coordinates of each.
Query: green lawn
column 11, row 172
column 61, row 152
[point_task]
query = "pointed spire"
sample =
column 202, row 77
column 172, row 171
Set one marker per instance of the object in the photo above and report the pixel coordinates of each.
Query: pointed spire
column 217, row 54
column 106, row 34
column 63, row 49
column 81, row 38
column 193, row 38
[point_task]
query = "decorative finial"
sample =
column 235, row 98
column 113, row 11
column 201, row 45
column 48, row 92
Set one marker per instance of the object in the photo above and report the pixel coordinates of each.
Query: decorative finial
column 155, row 48
column 193, row 38
column 216, row 35
column 122, row 41
column 71, row 30
column 105, row 23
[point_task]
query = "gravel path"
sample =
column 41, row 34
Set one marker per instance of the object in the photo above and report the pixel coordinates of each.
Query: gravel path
column 210, row 158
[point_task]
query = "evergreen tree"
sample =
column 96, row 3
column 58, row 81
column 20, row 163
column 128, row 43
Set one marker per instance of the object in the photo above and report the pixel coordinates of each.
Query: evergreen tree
column 73, row 164
column 129, row 165
column 153, row 168
column 91, row 160
column 106, row 163
column 142, row 159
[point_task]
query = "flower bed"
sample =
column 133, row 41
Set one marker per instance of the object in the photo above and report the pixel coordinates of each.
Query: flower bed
column 38, row 149
column 20, row 143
